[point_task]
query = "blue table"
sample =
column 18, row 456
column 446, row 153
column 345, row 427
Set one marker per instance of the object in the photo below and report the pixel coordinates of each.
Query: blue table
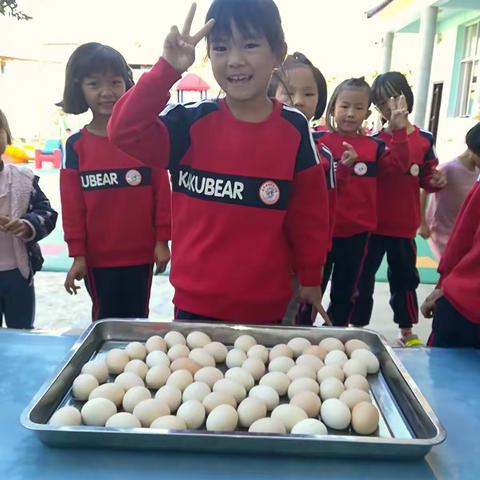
column 450, row 380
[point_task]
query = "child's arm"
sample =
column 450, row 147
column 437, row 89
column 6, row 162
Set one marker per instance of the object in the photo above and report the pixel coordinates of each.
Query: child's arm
column 431, row 179
column 424, row 229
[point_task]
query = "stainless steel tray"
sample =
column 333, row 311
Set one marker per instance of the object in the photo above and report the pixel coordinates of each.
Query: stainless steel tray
column 408, row 426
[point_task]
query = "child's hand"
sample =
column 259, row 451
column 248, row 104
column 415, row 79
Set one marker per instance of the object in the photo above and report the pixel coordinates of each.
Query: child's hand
column 349, row 156
column 428, row 306
column 424, row 230
column 162, row 256
column 4, row 219
column 399, row 112
column 77, row 271
column 16, row 227
column 438, row 180
column 313, row 296
column 179, row 48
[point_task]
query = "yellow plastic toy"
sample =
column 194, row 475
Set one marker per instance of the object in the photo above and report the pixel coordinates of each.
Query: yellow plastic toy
column 18, row 154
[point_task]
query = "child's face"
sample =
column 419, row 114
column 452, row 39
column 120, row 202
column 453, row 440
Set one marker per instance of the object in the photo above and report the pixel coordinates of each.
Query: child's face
column 351, row 110
column 242, row 66
column 384, row 108
column 102, row 90
column 3, row 140
column 300, row 91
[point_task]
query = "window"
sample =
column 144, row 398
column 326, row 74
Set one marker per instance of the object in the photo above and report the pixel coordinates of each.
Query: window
column 469, row 83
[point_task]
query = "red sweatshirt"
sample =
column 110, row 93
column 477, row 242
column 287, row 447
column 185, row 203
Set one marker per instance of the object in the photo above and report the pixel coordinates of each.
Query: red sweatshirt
column 399, row 192
column 460, row 265
column 356, row 208
column 247, row 198
column 113, row 207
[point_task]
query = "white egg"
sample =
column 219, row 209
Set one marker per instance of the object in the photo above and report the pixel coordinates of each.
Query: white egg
column 280, row 350
column 369, row 358
column 202, row 357
column 196, row 391
column 250, row 410
column 157, row 376
column 223, row 418
column 237, row 390
column 267, row 425
column 354, row 344
column 157, row 357
column 149, row 410
column 316, row 351
column 127, row 380
column 217, row 350
column 255, row 367
column 258, row 351
column 208, row 375
column 365, row 418
column 116, row 360
column 235, row 358
column 301, row 371
column 185, row 364
column 97, row 411
column 357, row 381
column 353, row 396
column 309, row 360
column 197, row 339
column 331, row 388
column 355, row 366
column 335, row 414
column 97, row 368
column 298, row 345
column 174, row 338
column 178, row 351
column 134, row 396
column 302, row 385
column 137, row 366
column 170, row 395
column 123, row 420
column 239, row 375
column 244, row 342
column 289, row 415
column 136, row 350
column 192, row 412
column 169, row 422
column 180, row 379
column 66, row 417
column 215, row 399
column 277, row 380
column 83, row 385
column 336, row 357
column 281, row 364
column 266, row 394
column 111, row 391
column 156, row 344
column 310, row 426
column 331, row 343
column 309, row 402
column 330, row 371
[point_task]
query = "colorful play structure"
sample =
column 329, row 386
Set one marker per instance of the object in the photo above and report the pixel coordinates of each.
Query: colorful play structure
column 52, row 151
column 192, row 83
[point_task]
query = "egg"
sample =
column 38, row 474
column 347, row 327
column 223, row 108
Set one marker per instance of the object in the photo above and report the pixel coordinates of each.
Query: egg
column 201, row 357
column 237, row 390
column 255, row 367
column 150, row 409
column 180, row 379
column 170, row 395
column 123, row 420
column 138, row 367
column 267, row 425
column 309, row 402
column 354, row 367
column 111, row 391
column 331, row 388
column 277, row 380
column 134, row 396
column 301, row 371
column 178, row 351
column 192, row 412
column 239, row 375
column 244, row 342
column 174, row 338
column 289, row 415
column 266, row 394
column 250, row 410
column 197, row 339
column 301, row 385
column 310, row 426
column 280, row 350
column 116, row 359
column 215, row 399
column 83, row 385
column 217, row 350
column 311, row 361
column 335, row 414
column 97, row 411
column 97, row 368
column 66, row 417
column 365, row 418
column 156, row 343
column 369, row 358
column 235, row 358
column 353, row 396
column 281, row 364
column 330, row 371
column 223, row 418
column 357, row 381
column 196, row 391
column 354, row 344
column 127, row 380
column 208, row 375
column 136, row 350
column 169, row 422
column 336, row 357
column 157, row 376
column 157, row 357
column 298, row 345
column 185, row 364
column 316, row 351
column 331, row 343
column 258, row 351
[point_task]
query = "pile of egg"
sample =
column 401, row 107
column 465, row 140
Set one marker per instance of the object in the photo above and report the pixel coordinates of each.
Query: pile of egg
column 175, row 383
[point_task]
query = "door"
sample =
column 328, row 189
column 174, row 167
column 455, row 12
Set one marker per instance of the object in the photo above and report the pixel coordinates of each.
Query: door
column 435, row 108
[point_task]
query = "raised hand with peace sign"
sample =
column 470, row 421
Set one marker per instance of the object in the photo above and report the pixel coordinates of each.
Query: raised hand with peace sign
column 179, row 47
column 399, row 112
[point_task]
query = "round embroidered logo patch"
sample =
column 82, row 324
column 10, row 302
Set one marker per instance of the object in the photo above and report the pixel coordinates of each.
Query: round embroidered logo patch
column 133, row 178
column 360, row 169
column 269, row 192
column 415, row 170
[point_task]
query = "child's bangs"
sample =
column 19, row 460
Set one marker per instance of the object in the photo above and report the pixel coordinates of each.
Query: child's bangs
column 101, row 61
column 384, row 91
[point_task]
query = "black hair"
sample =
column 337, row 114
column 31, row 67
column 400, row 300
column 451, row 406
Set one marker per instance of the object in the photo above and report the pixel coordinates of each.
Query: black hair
column 297, row 60
column 88, row 59
column 250, row 17
column 472, row 139
column 349, row 84
column 391, row 84
column 5, row 126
